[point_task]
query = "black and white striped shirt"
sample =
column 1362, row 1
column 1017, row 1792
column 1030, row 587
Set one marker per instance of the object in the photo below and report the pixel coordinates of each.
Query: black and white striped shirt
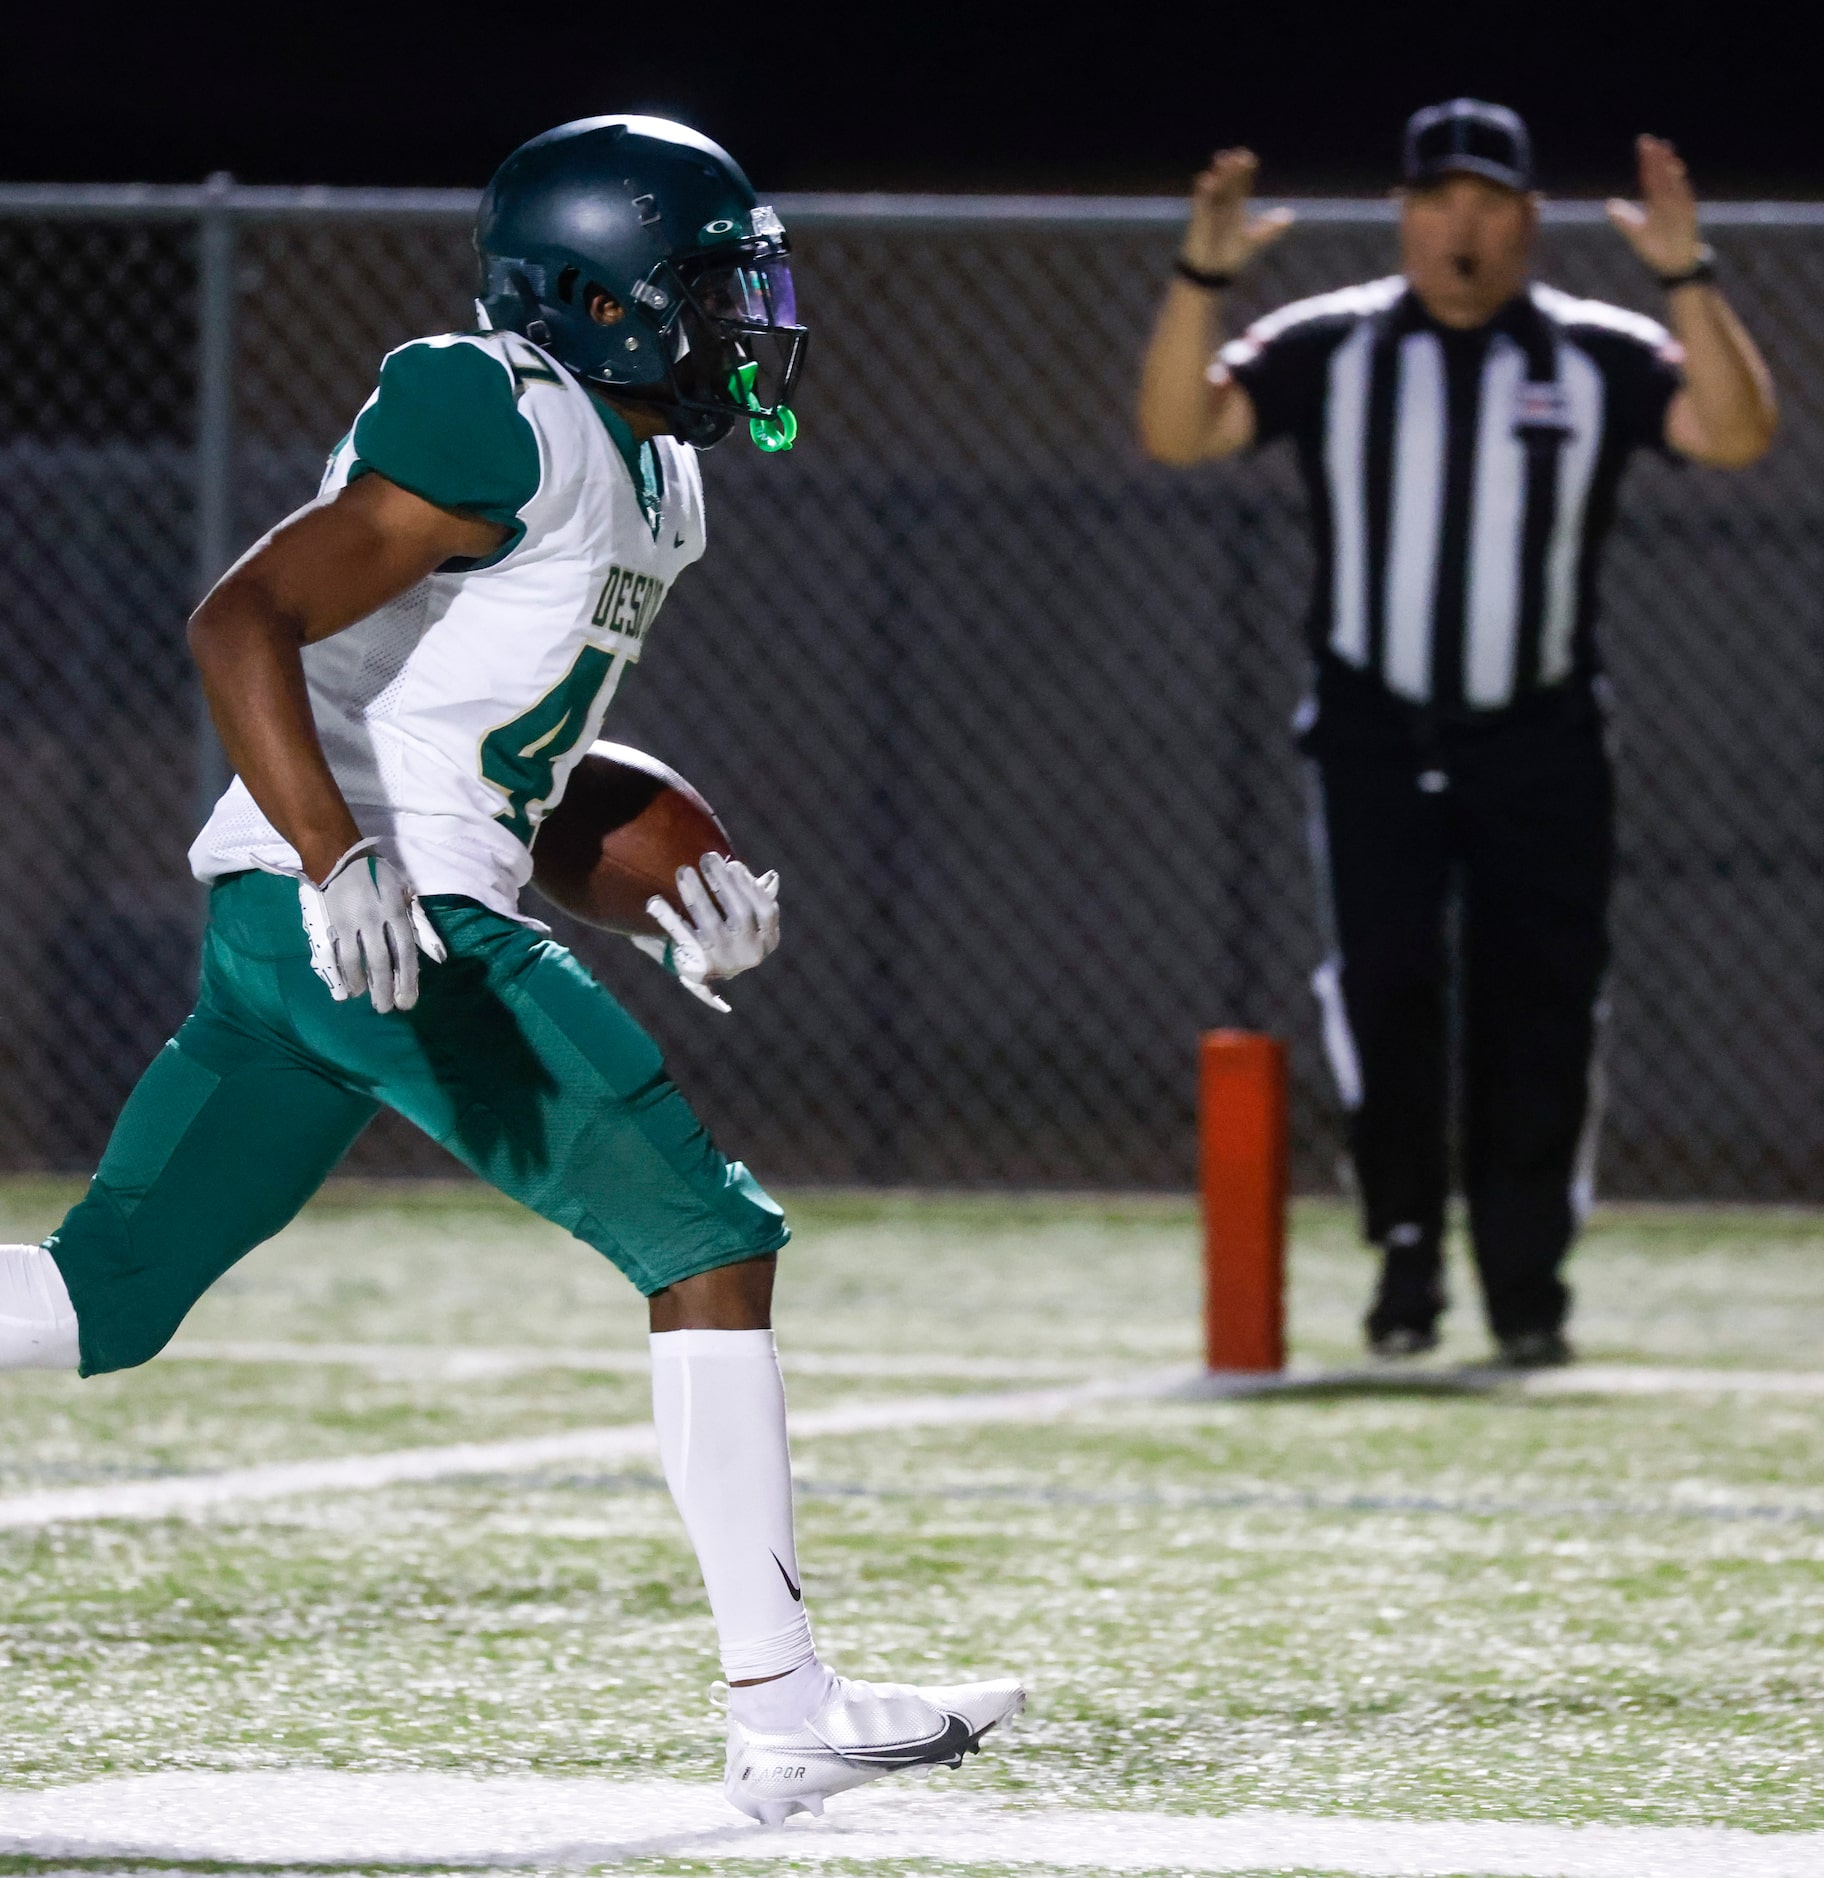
column 1461, row 483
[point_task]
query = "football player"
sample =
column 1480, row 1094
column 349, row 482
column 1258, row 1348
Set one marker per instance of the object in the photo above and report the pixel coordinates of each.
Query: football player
column 403, row 676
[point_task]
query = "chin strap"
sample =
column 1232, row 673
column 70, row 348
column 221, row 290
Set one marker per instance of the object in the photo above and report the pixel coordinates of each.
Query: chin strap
column 776, row 430
column 536, row 328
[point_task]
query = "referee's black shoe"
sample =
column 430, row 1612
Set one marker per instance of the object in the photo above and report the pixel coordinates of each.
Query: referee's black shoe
column 1401, row 1340
column 1404, row 1320
column 1535, row 1349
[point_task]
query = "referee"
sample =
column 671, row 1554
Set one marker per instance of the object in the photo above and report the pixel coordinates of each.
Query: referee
column 1462, row 432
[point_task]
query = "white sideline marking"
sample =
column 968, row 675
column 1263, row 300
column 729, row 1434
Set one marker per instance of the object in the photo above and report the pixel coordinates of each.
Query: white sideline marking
column 357, row 1473
column 331, row 1819
column 465, row 1363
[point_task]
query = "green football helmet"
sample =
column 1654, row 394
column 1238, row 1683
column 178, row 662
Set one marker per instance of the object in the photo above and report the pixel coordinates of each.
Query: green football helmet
column 663, row 220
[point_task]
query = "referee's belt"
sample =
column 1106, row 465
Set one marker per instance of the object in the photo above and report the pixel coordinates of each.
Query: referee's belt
column 1354, row 708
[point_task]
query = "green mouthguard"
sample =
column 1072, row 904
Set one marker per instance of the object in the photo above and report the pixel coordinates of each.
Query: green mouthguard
column 776, row 431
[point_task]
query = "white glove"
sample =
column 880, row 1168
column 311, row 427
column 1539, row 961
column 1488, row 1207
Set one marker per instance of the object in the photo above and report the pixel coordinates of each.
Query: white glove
column 733, row 923
column 366, row 930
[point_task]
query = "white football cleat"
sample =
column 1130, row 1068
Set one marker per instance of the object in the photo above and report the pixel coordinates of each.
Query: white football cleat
column 864, row 1730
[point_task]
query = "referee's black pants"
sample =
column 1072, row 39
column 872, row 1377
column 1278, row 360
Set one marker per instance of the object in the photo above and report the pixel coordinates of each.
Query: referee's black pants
column 1517, row 827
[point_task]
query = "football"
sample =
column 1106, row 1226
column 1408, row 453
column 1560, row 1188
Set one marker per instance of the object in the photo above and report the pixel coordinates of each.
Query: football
column 626, row 824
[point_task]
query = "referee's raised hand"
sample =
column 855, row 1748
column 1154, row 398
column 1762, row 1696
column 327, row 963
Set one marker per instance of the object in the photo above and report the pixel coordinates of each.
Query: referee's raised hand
column 1662, row 227
column 1223, row 237
column 1188, row 411
column 1724, row 413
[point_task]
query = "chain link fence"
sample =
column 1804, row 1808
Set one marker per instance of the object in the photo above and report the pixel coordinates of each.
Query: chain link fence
column 1007, row 706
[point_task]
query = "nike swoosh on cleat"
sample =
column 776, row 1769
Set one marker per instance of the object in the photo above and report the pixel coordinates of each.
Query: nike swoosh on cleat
column 678, row 541
column 947, row 1748
column 797, row 1595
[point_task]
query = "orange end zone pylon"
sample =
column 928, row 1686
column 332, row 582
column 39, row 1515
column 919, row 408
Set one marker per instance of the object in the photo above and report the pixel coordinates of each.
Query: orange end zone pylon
column 1242, row 1143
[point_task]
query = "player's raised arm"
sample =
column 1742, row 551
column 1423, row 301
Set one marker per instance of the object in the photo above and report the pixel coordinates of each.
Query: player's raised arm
column 1724, row 414
column 1185, row 414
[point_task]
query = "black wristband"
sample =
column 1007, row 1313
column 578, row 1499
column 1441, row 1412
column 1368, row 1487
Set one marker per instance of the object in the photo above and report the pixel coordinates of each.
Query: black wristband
column 1701, row 273
column 1201, row 276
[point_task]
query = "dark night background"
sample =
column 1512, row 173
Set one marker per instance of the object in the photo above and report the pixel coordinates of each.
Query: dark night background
column 944, row 96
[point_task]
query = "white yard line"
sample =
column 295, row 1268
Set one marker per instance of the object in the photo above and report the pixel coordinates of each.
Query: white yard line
column 357, row 1473
column 443, row 1363
column 354, row 1473
column 1615, row 1379
column 463, row 1363
column 351, row 1820
column 1601, row 1379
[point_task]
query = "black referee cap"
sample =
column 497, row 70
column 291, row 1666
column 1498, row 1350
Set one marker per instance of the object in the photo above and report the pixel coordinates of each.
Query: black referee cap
column 1469, row 137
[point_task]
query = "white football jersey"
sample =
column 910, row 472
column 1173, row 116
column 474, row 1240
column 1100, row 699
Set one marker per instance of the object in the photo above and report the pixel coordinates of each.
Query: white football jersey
column 453, row 716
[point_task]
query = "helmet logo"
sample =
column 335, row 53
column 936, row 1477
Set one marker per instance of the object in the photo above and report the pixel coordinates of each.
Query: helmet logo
column 723, row 226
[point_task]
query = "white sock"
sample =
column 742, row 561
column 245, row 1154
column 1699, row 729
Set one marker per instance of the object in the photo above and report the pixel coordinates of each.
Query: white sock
column 777, row 1706
column 719, row 1405
column 37, row 1321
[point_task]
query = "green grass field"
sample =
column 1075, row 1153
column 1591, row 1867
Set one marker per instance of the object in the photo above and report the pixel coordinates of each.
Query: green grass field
column 1373, row 1601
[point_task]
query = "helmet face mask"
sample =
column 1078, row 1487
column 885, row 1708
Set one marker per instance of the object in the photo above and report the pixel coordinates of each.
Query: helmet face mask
column 662, row 221
column 736, row 345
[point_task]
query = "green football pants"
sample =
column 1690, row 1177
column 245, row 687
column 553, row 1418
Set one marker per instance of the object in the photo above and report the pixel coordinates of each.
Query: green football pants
column 514, row 1058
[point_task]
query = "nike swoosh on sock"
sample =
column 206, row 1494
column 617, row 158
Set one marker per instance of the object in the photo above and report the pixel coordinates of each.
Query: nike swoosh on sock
column 797, row 1595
